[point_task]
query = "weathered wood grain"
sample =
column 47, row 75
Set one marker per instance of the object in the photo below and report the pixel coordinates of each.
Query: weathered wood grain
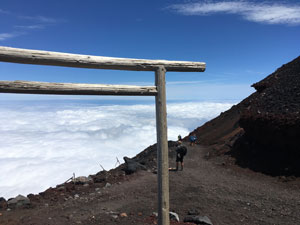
column 162, row 147
column 17, row 55
column 30, row 87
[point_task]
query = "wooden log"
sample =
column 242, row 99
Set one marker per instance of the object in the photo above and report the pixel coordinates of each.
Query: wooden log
column 17, row 55
column 29, row 87
column 162, row 148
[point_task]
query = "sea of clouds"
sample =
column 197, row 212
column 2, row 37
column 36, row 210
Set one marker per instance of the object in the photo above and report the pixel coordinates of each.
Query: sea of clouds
column 42, row 145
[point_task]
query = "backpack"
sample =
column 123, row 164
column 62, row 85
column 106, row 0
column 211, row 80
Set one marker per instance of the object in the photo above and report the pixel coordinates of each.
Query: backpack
column 182, row 150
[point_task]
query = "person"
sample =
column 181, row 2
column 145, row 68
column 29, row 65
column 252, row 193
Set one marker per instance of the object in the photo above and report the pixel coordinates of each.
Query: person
column 179, row 137
column 181, row 151
column 193, row 139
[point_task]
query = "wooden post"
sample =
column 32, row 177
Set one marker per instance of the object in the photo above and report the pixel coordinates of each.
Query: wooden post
column 162, row 147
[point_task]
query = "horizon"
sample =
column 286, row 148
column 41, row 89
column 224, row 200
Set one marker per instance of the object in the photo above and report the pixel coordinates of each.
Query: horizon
column 241, row 42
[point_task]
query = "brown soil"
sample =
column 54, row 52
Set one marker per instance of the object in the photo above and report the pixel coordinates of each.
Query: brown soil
column 216, row 188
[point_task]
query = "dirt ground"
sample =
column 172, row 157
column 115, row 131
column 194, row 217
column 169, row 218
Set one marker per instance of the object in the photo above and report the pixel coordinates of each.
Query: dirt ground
column 217, row 188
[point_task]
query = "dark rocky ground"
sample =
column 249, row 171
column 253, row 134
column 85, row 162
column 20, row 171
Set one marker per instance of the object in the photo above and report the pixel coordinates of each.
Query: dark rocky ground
column 262, row 132
column 243, row 170
column 227, row 194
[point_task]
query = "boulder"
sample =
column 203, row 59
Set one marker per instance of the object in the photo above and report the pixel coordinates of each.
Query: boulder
column 18, row 202
column 131, row 166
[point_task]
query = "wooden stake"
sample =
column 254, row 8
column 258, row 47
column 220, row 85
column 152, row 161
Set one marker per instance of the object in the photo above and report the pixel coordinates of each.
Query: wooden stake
column 162, row 147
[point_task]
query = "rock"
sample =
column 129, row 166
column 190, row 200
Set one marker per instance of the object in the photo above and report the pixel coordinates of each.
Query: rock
column 123, row 215
column 86, row 185
column 18, row 202
column 3, row 203
column 107, row 185
column 82, row 180
column 114, row 216
column 155, row 214
column 131, row 166
column 76, row 196
column 204, row 220
column 174, row 216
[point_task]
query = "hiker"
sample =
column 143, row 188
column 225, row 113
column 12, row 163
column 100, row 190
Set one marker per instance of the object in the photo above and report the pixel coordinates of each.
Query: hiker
column 179, row 138
column 193, row 139
column 181, row 151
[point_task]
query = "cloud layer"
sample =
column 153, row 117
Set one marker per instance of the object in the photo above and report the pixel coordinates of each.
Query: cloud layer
column 43, row 145
column 261, row 12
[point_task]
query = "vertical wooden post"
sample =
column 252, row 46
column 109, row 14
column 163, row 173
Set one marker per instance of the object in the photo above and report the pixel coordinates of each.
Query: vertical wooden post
column 162, row 147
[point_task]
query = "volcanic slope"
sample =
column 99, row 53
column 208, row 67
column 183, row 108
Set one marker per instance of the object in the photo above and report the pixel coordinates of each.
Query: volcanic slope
column 262, row 132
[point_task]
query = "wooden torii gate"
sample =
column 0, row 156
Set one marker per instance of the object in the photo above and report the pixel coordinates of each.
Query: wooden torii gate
column 25, row 56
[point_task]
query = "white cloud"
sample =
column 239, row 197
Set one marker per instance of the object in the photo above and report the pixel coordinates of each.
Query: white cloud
column 261, row 12
column 40, row 19
column 41, row 22
column 30, row 27
column 42, row 145
column 5, row 36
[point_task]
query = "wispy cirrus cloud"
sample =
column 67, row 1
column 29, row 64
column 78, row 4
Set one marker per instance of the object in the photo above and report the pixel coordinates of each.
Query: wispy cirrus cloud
column 5, row 36
column 260, row 12
column 35, row 23
column 30, row 27
column 40, row 19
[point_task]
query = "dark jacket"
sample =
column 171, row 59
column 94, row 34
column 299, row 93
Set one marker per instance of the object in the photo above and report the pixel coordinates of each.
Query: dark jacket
column 182, row 150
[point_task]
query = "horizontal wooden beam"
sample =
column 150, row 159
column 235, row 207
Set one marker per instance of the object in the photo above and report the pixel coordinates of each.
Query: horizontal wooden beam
column 17, row 55
column 30, row 87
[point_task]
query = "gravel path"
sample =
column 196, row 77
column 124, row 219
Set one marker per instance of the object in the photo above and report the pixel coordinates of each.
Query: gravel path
column 225, row 193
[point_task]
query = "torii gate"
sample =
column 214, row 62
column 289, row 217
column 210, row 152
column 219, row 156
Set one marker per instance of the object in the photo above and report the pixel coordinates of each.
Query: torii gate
column 160, row 67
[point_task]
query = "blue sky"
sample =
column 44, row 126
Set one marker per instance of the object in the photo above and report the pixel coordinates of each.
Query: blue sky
column 241, row 41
